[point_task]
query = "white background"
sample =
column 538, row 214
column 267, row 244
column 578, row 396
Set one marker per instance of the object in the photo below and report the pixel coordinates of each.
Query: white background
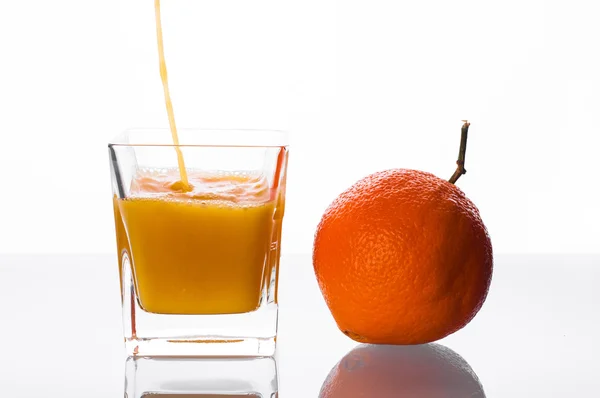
column 361, row 85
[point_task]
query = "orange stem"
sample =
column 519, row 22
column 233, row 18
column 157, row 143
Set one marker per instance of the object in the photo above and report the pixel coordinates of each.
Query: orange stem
column 460, row 170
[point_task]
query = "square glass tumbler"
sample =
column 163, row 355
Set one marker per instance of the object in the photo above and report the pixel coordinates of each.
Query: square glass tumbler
column 199, row 251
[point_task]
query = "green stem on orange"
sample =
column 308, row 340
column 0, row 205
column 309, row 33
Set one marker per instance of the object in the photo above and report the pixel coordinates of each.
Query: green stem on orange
column 460, row 170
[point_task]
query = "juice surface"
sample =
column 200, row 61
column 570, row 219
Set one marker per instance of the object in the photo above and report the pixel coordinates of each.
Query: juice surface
column 203, row 251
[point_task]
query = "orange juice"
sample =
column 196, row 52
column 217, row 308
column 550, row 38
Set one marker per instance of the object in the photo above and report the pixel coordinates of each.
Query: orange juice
column 198, row 243
column 203, row 251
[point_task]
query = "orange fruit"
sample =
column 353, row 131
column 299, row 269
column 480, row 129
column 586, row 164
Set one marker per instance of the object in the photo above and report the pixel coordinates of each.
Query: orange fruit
column 422, row 371
column 402, row 257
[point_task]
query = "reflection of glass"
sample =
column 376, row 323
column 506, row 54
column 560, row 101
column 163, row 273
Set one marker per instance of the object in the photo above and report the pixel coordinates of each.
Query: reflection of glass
column 199, row 263
column 201, row 377
column 422, row 371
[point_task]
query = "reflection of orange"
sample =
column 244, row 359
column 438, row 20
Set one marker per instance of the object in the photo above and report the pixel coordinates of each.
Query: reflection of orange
column 421, row 371
column 402, row 257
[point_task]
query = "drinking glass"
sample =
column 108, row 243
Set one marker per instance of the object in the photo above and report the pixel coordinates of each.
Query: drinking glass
column 199, row 268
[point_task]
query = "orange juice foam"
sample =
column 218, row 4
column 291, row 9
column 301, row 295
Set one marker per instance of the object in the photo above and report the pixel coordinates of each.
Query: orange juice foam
column 203, row 251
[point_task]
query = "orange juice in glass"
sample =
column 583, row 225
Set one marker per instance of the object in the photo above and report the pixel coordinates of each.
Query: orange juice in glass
column 199, row 262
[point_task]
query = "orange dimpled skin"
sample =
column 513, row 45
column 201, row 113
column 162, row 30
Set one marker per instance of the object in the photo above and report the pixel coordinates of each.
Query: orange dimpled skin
column 402, row 257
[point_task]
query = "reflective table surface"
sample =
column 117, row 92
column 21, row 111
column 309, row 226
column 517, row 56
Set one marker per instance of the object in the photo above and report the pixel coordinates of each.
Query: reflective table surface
column 60, row 336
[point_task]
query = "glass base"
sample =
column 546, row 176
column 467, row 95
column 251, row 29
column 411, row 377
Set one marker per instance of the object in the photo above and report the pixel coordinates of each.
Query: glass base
column 206, row 346
column 149, row 334
column 201, row 378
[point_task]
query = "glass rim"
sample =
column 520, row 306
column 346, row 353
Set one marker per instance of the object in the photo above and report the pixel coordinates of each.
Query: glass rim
column 203, row 137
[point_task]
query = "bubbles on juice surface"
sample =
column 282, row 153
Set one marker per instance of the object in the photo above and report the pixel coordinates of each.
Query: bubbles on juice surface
column 208, row 187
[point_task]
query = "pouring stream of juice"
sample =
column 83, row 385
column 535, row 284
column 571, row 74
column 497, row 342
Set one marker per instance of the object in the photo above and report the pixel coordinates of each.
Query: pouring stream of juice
column 185, row 186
